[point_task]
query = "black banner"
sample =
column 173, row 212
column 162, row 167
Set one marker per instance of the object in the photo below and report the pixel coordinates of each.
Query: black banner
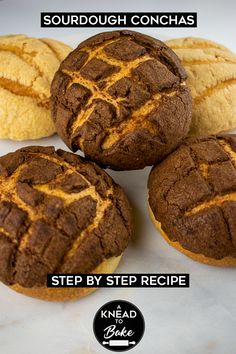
column 118, row 280
column 118, row 19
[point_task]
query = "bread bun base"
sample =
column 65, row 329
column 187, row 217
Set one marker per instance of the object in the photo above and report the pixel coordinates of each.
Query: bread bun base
column 224, row 262
column 66, row 294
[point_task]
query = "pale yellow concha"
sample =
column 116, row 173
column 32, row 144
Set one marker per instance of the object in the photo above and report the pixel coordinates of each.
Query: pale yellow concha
column 27, row 67
column 211, row 70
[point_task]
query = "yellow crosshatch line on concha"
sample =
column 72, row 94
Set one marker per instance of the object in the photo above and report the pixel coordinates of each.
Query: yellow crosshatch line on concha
column 23, row 56
column 125, row 71
column 13, row 86
column 216, row 201
column 64, row 164
column 101, row 208
column 186, row 62
column 21, row 90
column 8, row 185
column 128, row 125
column 198, row 45
column 67, row 198
column 229, row 151
column 210, row 90
column 125, row 68
column 16, row 85
column 50, row 47
column 204, row 168
column 24, row 239
column 7, row 234
column 59, row 178
column 101, row 94
column 96, row 94
column 8, row 192
column 219, row 199
column 97, row 49
column 137, row 120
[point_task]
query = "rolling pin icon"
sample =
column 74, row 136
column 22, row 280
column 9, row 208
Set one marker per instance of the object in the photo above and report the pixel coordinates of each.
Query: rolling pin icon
column 119, row 343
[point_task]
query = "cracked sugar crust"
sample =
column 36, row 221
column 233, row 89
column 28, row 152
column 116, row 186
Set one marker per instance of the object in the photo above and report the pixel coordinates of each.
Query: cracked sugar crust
column 211, row 70
column 121, row 98
column 192, row 193
column 58, row 213
column 27, row 67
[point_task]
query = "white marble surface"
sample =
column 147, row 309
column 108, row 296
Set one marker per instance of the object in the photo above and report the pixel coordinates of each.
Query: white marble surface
column 201, row 319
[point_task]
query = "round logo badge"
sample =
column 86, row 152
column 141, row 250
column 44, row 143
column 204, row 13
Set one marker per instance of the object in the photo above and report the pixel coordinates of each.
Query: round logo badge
column 118, row 325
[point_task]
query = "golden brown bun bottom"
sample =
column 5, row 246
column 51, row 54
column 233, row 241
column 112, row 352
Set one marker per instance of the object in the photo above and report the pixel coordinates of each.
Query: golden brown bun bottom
column 66, row 294
column 224, row 262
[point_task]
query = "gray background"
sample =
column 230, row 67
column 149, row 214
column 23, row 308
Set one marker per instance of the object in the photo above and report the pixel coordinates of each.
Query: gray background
column 215, row 18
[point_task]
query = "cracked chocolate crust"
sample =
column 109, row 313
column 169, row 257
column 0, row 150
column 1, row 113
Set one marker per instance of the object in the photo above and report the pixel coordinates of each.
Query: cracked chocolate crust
column 121, row 98
column 58, row 214
column 192, row 193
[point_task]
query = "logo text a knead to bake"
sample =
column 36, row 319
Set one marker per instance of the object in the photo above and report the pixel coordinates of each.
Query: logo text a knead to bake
column 118, row 325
